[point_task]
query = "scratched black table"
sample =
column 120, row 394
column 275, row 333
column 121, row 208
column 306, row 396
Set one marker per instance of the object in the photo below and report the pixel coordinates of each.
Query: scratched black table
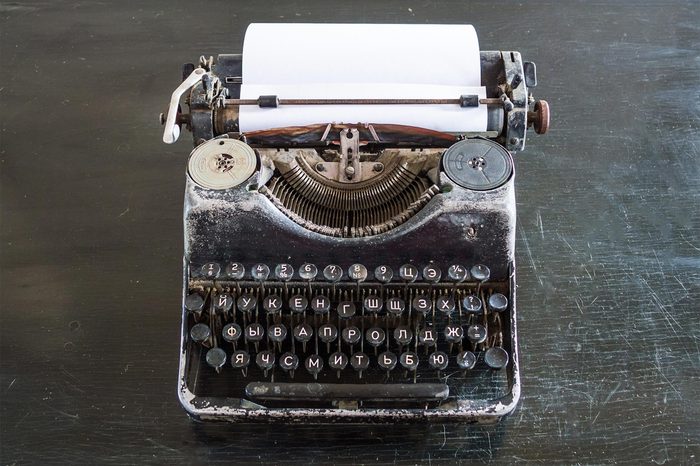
column 608, row 243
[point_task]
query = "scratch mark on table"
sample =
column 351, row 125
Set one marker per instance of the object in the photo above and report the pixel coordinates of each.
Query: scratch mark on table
column 529, row 255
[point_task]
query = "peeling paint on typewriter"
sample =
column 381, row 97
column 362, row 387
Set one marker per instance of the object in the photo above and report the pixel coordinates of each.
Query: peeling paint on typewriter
column 349, row 272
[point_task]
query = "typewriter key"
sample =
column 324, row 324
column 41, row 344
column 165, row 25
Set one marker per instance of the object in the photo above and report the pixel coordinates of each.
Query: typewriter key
column 359, row 362
column 303, row 332
column 445, row 304
column 272, row 303
column 408, row 273
column 327, row 333
column 426, row 337
column 480, row 273
column 432, row 273
column 395, row 306
column 216, row 358
column 223, row 302
column 284, row 272
column 254, row 332
column 422, row 304
column 476, row 333
column 308, row 271
column 260, row 272
column 320, row 304
column 346, row 309
column 351, row 335
column 358, row 272
column 466, row 360
column 333, row 273
column 240, row 359
column 438, row 360
column 383, row 274
column 200, row 333
column 194, row 302
column 211, row 270
column 375, row 336
column 337, row 361
column 289, row 361
column 314, row 364
column 498, row 302
column 235, row 270
column 265, row 360
column 277, row 333
column 231, row 332
column 298, row 303
column 457, row 273
column 246, row 303
column 387, row 360
column 472, row 304
column 403, row 334
column 409, row 360
column 372, row 303
column 222, row 163
column 496, row 358
column 454, row 333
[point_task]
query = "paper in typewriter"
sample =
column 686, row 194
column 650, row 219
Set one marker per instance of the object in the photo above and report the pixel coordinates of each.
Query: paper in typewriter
column 324, row 61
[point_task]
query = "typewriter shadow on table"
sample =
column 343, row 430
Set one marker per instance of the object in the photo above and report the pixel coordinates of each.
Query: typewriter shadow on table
column 349, row 443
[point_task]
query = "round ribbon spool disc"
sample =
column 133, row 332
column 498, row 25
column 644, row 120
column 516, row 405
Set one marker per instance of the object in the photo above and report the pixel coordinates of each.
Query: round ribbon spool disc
column 222, row 163
column 477, row 164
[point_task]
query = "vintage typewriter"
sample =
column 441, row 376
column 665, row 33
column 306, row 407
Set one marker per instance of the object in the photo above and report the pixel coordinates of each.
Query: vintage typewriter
column 350, row 272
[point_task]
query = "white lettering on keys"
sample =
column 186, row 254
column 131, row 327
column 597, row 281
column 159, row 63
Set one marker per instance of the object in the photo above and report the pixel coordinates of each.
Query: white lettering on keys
column 373, row 303
column 320, row 301
column 314, row 362
column 338, row 359
column 428, row 335
column 394, row 305
column 327, row 331
column 352, row 332
column 408, row 359
column 289, row 360
column 303, row 332
column 222, row 301
column 386, row 359
column 246, row 301
column 403, row 334
column 277, row 331
column 453, row 331
column 297, row 302
column 272, row 302
column 231, row 331
column 265, row 357
column 444, row 304
column 239, row 358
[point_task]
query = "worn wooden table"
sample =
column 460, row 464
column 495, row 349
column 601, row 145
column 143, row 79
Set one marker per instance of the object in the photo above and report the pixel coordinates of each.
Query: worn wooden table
column 608, row 243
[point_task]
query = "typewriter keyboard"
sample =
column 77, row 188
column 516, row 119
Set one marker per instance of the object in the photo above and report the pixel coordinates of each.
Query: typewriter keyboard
column 323, row 335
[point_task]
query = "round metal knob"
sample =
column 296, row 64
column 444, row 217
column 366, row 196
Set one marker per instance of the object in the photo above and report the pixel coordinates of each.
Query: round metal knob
column 541, row 114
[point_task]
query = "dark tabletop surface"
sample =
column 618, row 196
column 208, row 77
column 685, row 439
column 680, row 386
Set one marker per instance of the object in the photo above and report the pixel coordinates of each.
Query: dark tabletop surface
column 608, row 240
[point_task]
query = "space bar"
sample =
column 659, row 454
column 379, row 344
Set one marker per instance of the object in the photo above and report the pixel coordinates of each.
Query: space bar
column 333, row 391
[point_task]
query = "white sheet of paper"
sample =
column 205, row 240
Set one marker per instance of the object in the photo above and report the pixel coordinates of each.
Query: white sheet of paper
column 362, row 61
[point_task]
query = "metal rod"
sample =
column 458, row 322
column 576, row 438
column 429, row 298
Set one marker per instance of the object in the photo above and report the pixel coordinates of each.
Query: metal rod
column 487, row 101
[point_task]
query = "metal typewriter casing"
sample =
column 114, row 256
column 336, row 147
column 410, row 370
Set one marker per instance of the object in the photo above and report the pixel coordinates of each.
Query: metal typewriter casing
column 457, row 225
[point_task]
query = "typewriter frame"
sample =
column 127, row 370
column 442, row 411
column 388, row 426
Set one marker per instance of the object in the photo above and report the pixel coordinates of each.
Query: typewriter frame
column 506, row 77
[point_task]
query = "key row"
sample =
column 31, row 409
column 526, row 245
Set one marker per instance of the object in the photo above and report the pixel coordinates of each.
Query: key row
column 321, row 304
column 329, row 333
column 495, row 358
column 333, row 273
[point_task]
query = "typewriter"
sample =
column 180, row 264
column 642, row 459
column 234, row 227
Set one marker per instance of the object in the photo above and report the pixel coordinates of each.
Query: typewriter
column 349, row 272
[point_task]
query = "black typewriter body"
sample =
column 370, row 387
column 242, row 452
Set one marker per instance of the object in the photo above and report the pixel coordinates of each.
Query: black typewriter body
column 387, row 298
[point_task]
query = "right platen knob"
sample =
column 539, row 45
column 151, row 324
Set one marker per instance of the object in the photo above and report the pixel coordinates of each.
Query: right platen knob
column 539, row 117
